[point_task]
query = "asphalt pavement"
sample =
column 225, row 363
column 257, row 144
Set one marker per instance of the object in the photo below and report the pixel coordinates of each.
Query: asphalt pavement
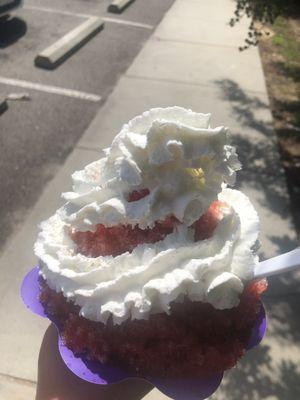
column 37, row 135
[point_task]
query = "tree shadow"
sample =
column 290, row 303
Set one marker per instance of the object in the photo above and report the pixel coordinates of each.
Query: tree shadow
column 11, row 30
column 262, row 176
column 270, row 371
column 245, row 381
column 258, row 151
column 289, row 378
column 283, row 241
column 244, row 106
column 259, row 379
column 288, row 113
column 288, row 69
column 284, row 318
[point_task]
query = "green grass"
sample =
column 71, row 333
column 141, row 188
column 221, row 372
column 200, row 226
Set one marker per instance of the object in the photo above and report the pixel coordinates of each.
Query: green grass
column 288, row 46
column 287, row 42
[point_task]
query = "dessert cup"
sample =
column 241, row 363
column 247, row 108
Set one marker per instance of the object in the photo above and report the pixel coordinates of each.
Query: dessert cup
column 100, row 374
column 147, row 270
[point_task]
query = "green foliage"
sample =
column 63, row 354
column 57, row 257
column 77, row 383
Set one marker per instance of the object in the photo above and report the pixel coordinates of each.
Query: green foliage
column 263, row 11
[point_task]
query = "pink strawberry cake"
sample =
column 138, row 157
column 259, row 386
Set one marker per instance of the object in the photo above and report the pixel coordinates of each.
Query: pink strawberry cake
column 149, row 265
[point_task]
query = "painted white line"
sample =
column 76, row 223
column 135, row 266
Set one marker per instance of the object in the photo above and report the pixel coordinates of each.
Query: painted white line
column 63, row 48
column 50, row 89
column 126, row 22
column 54, row 11
column 78, row 15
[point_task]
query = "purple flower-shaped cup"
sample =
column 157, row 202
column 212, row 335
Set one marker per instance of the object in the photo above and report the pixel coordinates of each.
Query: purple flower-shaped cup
column 97, row 373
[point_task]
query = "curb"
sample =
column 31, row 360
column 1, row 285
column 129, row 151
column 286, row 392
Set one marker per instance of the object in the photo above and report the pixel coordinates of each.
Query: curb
column 58, row 52
column 117, row 6
column 3, row 105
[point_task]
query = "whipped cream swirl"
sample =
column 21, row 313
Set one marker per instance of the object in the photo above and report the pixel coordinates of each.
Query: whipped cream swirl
column 173, row 152
column 186, row 165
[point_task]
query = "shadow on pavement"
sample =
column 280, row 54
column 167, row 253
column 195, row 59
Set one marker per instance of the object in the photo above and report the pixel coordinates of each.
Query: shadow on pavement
column 11, row 30
column 244, row 106
column 258, row 152
column 272, row 370
column 257, row 378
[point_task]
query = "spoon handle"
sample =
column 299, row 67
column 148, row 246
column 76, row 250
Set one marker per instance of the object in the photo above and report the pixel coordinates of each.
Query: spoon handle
column 277, row 265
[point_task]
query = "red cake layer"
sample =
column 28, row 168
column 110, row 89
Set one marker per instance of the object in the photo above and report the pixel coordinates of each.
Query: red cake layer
column 195, row 340
column 207, row 223
column 118, row 239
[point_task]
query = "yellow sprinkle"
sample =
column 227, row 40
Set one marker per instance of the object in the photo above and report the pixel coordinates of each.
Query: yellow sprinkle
column 198, row 174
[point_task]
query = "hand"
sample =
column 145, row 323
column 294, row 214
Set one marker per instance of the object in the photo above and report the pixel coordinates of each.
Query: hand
column 57, row 382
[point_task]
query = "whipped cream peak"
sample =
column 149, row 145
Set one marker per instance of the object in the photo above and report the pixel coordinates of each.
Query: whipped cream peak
column 173, row 152
column 181, row 166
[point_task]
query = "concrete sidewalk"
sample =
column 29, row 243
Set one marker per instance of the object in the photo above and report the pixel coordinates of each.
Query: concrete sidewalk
column 191, row 60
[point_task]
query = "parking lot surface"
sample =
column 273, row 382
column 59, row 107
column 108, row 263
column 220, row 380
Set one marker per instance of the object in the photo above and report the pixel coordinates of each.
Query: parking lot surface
column 36, row 135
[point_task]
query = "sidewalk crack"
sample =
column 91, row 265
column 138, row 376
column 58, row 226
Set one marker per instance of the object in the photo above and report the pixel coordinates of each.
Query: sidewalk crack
column 18, row 379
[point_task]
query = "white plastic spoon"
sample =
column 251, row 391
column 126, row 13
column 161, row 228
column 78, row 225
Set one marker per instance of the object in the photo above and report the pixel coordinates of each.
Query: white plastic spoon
column 277, row 265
